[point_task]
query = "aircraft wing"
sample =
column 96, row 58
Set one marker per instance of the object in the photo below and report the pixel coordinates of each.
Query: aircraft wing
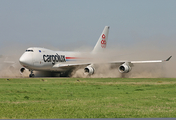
column 123, row 66
column 113, row 62
column 148, row 61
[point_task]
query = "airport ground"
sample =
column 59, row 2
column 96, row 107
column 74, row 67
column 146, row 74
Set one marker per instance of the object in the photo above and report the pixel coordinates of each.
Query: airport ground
column 27, row 98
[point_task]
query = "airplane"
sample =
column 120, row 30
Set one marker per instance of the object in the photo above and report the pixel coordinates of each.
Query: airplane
column 64, row 62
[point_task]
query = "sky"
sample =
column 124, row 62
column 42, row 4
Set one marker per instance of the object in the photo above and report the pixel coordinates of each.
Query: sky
column 68, row 24
column 143, row 29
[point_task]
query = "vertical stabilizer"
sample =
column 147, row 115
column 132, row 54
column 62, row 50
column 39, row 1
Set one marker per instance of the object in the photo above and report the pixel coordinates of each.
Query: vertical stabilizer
column 102, row 41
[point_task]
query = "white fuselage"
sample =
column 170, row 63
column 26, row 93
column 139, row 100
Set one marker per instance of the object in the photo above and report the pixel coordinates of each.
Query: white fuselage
column 41, row 59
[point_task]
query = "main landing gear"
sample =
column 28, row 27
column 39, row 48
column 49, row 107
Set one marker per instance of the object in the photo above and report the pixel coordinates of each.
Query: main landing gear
column 32, row 74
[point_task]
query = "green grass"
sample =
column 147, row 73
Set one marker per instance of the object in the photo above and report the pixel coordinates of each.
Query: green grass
column 87, row 98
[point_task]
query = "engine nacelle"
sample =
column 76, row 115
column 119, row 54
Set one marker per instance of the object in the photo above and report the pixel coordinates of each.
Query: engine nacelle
column 124, row 68
column 89, row 69
column 22, row 70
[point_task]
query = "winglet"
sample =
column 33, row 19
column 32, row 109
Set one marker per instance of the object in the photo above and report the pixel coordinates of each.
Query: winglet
column 168, row 58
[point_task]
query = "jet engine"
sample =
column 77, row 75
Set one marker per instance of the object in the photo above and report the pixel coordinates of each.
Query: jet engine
column 22, row 70
column 89, row 69
column 124, row 68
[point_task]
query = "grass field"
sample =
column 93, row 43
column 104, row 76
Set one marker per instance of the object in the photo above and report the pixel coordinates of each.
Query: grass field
column 87, row 98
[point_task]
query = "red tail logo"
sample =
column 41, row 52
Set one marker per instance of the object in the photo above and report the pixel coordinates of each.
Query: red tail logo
column 103, row 41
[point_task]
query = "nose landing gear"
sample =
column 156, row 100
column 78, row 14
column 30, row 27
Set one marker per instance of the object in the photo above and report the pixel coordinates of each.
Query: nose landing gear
column 32, row 74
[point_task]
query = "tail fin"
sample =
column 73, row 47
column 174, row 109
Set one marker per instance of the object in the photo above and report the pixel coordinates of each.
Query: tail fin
column 102, row 41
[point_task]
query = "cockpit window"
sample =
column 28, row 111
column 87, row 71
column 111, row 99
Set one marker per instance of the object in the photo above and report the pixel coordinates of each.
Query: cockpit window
column 29, row 51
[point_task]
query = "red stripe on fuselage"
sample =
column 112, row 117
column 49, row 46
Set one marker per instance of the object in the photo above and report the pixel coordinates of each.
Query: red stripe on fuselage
column 73, row 58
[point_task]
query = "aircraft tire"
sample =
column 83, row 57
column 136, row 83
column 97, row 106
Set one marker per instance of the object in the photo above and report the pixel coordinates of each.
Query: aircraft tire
column 31, row 75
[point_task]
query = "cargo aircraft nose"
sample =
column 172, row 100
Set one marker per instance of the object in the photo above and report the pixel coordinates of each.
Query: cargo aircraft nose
column 26, row 60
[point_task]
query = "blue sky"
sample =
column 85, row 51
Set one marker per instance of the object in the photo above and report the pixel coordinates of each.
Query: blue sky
column 68, row 24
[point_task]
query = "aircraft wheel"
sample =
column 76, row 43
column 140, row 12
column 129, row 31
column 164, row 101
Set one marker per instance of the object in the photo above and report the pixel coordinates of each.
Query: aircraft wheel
column 31, row 75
